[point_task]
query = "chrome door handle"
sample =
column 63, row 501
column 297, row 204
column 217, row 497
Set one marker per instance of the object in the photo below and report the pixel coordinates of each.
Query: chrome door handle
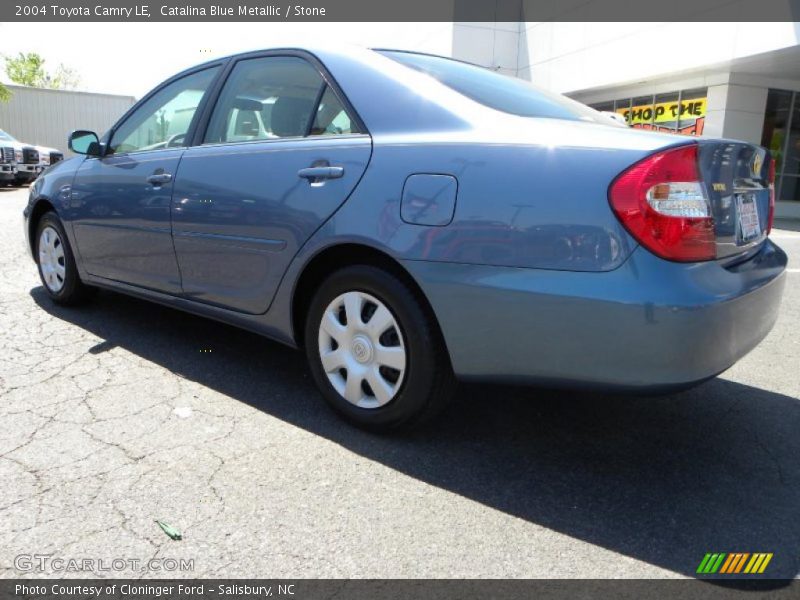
column 317, row 173
column 159, row 178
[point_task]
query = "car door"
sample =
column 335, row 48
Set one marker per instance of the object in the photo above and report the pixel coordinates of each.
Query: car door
column 280, row 154
column 120, row 209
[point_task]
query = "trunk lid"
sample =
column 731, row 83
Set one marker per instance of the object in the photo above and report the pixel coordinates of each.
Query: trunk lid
column 737, row 176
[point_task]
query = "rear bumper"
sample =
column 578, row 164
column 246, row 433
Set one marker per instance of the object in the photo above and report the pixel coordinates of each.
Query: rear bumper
column 650, row 325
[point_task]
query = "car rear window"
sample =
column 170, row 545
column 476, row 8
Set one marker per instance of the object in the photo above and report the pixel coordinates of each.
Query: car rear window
column 501, row 92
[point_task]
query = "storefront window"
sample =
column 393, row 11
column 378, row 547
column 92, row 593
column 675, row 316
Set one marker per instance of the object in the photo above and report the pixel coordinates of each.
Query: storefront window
column 620, row 105
column 666, row 117
column 675, row 112
column 781, row 134
column 693, row 112
column 641, row 112
column 604, row 106
column 791, row 165
column 776, row 118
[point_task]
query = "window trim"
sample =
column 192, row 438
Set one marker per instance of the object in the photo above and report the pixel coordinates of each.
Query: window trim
column 296, row 139
column 315, row 110
column 108, row 136
column 327, row 79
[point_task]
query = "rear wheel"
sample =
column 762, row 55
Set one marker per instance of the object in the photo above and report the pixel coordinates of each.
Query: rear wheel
column 374, row 352
column 57, row 268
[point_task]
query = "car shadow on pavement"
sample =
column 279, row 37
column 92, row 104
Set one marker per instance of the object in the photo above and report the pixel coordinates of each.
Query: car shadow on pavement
column 663, row 480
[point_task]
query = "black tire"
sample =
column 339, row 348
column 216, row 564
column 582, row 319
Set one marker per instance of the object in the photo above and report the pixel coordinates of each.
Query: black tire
column 73, row 291
column 428, row 382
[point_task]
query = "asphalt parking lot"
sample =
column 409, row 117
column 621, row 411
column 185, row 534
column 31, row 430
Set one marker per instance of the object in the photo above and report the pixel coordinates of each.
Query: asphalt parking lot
column 122, row 412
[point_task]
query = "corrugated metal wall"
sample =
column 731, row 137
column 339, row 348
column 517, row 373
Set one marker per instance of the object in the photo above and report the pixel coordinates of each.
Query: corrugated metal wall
column 46, row 117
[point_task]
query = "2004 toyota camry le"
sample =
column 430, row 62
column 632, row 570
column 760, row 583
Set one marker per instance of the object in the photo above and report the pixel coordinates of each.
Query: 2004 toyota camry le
column 410, row 220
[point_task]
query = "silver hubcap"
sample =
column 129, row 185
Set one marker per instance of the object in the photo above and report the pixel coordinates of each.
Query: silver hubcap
column 362, row 349
column 51, row 259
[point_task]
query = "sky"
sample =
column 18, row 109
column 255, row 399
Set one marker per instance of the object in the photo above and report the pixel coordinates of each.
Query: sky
column 132, row 58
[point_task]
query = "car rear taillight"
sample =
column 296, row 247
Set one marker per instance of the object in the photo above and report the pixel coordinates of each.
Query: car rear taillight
column 662, row 202
column 771, row 216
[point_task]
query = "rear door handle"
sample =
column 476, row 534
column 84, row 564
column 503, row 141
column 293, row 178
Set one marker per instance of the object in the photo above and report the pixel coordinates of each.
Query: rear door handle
column 159, row 178
column 318, row 173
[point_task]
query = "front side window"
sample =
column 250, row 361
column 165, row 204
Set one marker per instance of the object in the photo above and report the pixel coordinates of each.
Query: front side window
column 276, row 97
column 163, row 121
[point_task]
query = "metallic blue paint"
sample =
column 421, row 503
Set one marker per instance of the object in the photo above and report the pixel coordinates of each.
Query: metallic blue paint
column 649, row 325
column 121, row 223
column 235, row 235
column 531, row 278
column 429, row 199
column 724, row 162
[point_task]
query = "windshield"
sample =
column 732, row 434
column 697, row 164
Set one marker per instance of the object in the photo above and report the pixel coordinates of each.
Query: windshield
column 497, row 91
column 5, row 137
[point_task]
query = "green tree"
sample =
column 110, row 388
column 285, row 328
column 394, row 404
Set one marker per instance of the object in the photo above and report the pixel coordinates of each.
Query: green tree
column 64, row 78
column 28, row 69
column 4, row 93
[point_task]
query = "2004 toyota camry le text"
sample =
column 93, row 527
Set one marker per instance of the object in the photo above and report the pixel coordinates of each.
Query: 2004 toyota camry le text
column 410, row 220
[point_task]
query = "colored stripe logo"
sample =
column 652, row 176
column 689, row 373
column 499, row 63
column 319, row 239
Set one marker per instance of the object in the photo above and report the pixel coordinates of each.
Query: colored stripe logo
column 734, row 562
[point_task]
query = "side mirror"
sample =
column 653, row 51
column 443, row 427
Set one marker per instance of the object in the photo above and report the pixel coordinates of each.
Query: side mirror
column 84, row 142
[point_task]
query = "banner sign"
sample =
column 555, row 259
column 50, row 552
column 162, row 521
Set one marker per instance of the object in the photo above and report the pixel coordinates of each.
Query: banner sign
column 664, row 116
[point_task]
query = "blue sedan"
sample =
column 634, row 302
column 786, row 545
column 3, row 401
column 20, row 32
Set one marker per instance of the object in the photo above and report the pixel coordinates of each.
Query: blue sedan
column 411, row 220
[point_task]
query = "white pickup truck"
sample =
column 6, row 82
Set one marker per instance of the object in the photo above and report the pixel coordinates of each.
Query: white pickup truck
column 27, row 162
column 48, row 156
column 8, row 160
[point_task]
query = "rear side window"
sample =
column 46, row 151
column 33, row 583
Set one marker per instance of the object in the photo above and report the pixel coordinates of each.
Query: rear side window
column 331, row 117
column 275, row 97
column 497, row 91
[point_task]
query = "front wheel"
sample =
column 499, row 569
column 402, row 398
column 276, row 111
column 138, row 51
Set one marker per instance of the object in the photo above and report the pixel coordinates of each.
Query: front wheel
column 57, row 268
column 375, row 352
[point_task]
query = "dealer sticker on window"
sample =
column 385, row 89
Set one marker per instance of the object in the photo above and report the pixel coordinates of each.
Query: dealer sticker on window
column 749, row 227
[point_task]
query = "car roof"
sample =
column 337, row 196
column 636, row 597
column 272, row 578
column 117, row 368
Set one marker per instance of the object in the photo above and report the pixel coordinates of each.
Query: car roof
column 431, row 109
column 318, row 50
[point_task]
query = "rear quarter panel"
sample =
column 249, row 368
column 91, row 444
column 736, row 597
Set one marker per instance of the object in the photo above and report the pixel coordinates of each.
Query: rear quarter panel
column 519, row 203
